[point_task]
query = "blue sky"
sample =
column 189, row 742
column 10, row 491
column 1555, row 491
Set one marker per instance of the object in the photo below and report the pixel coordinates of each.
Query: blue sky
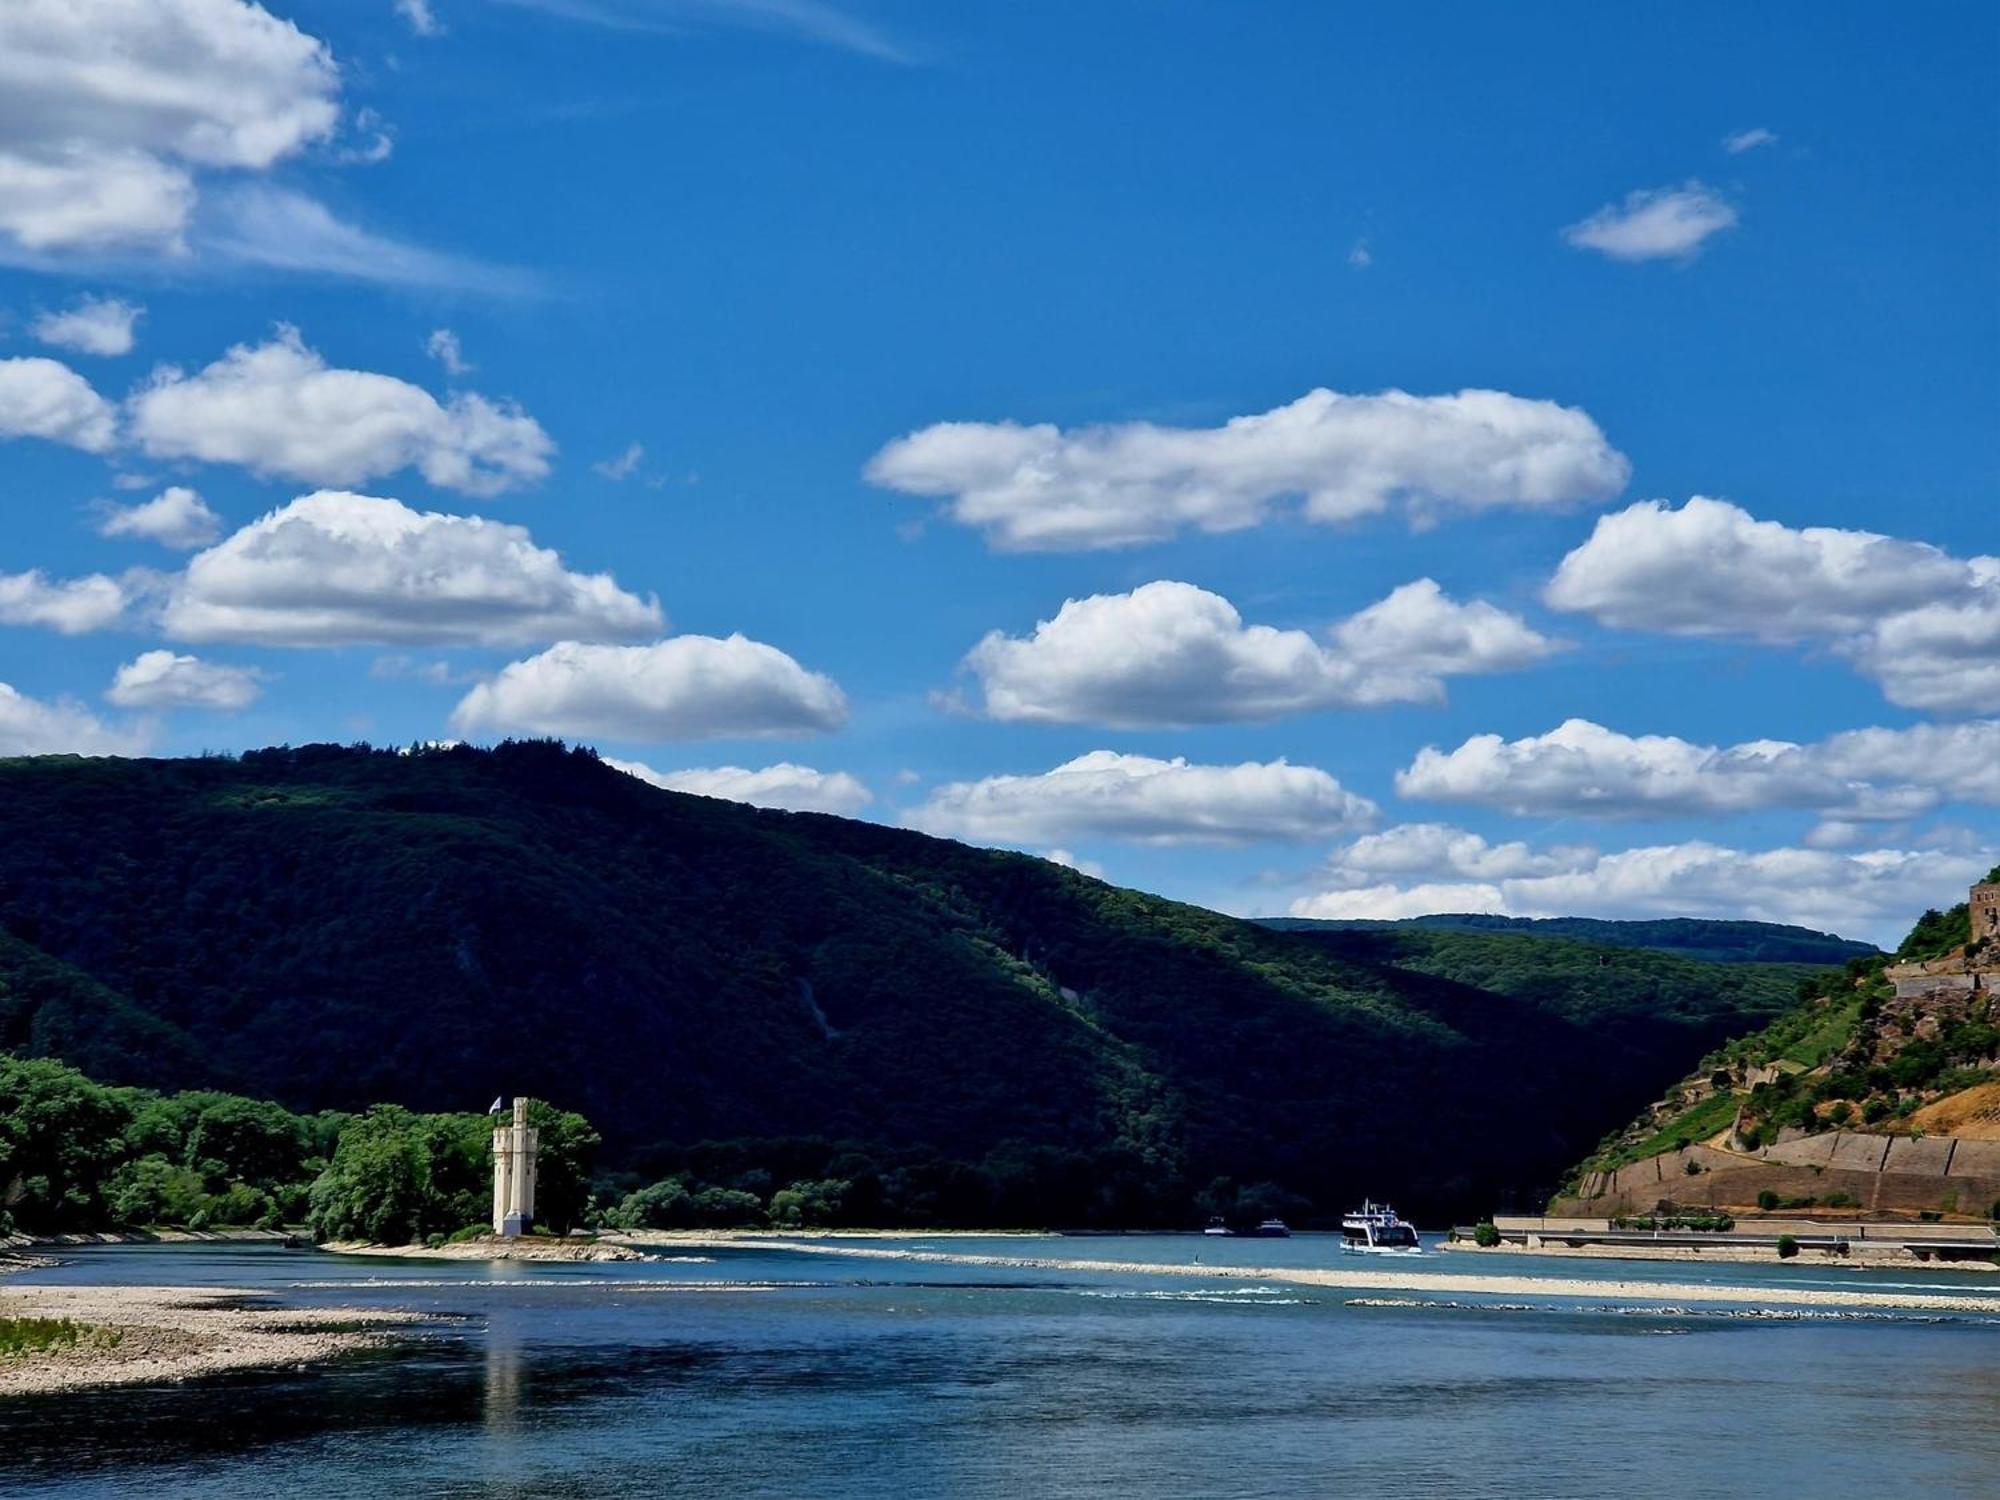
column 747, row 246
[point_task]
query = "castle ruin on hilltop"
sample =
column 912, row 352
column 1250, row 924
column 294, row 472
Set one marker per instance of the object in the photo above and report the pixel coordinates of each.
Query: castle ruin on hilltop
column 1972, row 970
column 1897, row 1166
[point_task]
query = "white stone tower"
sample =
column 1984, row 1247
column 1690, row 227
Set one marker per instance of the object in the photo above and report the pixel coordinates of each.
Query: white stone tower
column 514, row 1174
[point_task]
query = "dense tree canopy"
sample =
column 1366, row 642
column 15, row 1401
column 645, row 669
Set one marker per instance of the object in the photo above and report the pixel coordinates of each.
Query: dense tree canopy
column 78, row 1155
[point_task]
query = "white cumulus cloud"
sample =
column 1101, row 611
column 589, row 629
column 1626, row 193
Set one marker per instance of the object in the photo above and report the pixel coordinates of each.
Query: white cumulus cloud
column 45, row 398
column 1655, row 224
column 161, row 679
column 688, row 687
column 1583, row 769
column 1421, row 631
column 29, row 726
column 69, row 606
column 333, row 568
column 93, row 325
column 1170, row 653
column 1868, row 893
column 278, row 409
column 1921, row 622
column 1440, row 850
column 176, row 517
column 1040, row 488
column 791, row 787
column 1143, row 800
column 115, row 107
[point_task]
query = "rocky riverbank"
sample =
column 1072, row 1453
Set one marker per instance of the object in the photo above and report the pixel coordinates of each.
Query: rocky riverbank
column 132, row 1335
column 492, row 1247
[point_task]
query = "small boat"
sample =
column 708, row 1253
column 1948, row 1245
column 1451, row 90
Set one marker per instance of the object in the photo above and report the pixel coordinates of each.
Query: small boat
column 1273, row 1229
column 1375, row 1229
column 1218, row 1225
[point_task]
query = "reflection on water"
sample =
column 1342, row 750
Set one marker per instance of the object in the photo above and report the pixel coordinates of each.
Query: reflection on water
column 867, row 1381
column 501, row 1397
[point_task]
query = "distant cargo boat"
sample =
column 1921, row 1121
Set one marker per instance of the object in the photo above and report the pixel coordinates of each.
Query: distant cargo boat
column 1374, row 1229
column 1218, row 1225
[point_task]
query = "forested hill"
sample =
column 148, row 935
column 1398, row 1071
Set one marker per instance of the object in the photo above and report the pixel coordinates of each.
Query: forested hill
column 330, row 927
column 1721, row 942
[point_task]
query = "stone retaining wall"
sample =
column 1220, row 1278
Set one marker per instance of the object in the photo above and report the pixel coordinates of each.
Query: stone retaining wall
column 1881, row 1173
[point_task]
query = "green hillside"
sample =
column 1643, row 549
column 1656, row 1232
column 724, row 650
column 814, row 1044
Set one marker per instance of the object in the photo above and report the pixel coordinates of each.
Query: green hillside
column 1711, row 941
column 1641, row 993
column 334, row 927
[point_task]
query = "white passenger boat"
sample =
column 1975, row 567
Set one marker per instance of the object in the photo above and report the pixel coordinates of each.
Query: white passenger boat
column 1375, row 1229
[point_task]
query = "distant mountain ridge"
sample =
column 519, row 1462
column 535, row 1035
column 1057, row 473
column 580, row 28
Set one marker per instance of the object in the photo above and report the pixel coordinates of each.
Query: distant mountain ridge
column 1711, row 940
column 333, row 926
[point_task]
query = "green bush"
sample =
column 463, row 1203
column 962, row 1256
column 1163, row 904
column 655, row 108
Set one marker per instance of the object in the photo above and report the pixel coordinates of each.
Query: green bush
column 1767, row 1200
column 727, row 1208
column 814, row 1204
column 664, row 1205
column 1485, row 1234
column 1788, row 1246
column 153, row 1190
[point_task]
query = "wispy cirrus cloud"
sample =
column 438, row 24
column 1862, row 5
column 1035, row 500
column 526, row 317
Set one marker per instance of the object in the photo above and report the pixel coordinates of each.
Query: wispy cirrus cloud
column 1739, row 141
column 280, row 229
column 806, row 20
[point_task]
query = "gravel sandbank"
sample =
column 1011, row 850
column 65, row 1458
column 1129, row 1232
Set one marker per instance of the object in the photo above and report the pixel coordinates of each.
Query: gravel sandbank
column 1427, row 1281
column 141, row 1335
column 1860, row 1257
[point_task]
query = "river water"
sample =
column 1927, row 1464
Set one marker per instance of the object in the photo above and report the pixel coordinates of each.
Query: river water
column 757, row 1372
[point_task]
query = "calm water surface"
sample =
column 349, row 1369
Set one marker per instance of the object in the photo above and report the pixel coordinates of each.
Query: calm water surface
column 753, row 1372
